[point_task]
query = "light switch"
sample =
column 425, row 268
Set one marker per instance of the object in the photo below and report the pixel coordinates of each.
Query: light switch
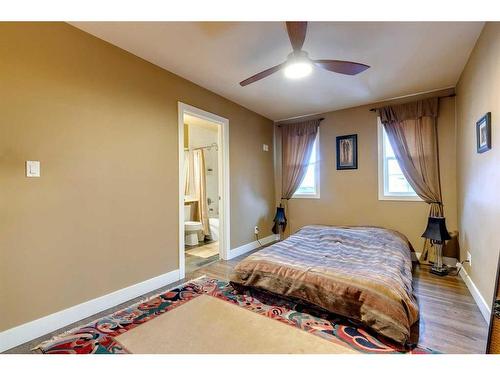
column 265, row 147
column 32, row 168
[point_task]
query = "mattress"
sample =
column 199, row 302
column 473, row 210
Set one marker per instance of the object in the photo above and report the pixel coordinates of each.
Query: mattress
column 362, row 273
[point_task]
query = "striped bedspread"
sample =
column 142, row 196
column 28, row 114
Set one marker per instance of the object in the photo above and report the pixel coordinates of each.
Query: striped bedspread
column 363, row 273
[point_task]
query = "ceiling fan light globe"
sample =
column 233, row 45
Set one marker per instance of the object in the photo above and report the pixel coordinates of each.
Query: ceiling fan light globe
column 298, row 69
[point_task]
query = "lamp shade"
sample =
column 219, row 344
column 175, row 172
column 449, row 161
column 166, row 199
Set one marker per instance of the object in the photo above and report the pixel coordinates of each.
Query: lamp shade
column 436, row 229
column 279, row 220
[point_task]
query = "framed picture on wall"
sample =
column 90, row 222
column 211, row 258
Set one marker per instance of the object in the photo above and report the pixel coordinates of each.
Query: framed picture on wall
column 347, row 152
column 483, row 133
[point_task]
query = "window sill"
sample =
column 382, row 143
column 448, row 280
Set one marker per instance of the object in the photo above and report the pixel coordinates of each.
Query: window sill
column 402, row 198
column 306, row 196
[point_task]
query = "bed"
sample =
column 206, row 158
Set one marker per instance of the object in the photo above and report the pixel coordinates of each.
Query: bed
column 362, row 273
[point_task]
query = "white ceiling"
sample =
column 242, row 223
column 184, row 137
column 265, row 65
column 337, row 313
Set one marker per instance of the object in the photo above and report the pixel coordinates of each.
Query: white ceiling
column 405, row 58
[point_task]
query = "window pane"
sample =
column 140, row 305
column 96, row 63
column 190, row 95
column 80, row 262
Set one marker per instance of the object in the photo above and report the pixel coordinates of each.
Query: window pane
column 308, row 185
column 389, row 153
column 398, row 184
column 395, row 181
column 393, row 166
column 308, row 182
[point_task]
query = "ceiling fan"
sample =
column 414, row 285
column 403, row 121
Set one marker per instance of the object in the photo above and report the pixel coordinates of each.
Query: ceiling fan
column 298, row 64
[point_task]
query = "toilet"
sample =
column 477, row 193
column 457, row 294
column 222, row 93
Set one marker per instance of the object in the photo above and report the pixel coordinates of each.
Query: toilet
column 193, row 230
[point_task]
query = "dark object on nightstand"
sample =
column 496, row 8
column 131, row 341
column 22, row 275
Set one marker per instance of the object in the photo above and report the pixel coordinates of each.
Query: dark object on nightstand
column 437, row 233
column 279, row 221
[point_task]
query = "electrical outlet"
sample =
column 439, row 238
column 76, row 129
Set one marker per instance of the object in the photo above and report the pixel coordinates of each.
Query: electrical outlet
column 32, row 168
column 256, row 230
column 469, row 259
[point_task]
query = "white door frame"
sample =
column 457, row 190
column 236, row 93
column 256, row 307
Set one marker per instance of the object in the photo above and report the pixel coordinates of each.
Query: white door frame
column 223, row 155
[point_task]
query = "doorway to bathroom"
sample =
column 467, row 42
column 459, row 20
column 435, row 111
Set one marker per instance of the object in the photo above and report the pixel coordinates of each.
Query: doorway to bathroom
column 203, row 188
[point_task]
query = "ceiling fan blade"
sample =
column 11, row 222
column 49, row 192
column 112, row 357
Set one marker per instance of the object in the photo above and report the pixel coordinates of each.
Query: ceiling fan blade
column 297, row 34
column 343, row 67
column 262, row 74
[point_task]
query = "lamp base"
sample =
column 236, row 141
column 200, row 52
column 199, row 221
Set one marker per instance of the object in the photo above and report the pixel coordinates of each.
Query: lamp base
column 440, row 271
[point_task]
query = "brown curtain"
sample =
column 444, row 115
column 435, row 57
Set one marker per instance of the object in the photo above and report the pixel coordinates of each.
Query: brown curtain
column 412, row 132
column 297, row 143
column 200, row 187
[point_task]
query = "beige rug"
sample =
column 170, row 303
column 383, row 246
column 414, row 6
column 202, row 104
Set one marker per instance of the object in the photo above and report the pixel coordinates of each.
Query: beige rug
column 208, row 325
column 205, row 251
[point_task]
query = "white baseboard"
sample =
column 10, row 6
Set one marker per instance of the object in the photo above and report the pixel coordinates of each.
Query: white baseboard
column 233, row 253
column 480, row 301
column 26, row 332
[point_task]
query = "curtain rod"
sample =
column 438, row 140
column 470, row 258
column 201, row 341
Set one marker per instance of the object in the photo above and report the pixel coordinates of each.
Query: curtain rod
column 291, row 123
column 202, row 147
column 439, row 97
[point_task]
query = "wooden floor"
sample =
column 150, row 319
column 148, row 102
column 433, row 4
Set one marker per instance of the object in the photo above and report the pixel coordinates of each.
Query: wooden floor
column 450, row 321
column 201, row 256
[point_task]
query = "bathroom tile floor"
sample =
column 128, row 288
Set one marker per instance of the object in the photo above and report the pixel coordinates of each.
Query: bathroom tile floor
column 200, row 256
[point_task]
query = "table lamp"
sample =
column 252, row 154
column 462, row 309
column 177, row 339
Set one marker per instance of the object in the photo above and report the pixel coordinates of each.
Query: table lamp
column 279, row 221
column 437, row 233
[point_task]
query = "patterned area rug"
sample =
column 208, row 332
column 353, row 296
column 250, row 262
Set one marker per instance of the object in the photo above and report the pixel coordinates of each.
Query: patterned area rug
column 99, row 336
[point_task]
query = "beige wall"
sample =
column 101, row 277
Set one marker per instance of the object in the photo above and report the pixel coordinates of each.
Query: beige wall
column 104, row 214
column 350, row 197
column 478, row 92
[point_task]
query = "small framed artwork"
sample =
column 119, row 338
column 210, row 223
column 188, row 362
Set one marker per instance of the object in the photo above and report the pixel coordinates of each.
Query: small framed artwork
column 347, row 152
column 483, row 133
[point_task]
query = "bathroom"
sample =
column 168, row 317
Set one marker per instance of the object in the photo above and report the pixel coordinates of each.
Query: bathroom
column 201, row 192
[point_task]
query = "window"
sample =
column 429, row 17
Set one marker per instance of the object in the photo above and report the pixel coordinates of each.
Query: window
column 309, row 187
column 392, row 182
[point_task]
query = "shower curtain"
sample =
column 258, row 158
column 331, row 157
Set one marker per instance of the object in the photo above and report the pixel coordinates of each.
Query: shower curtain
column 195, row 185
column 189, row 191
